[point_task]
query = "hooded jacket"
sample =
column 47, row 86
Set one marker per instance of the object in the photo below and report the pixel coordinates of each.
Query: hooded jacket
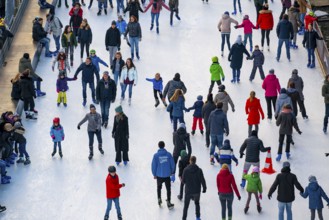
column 224, row 24
column 96, row 60
column 254, row 184
column 284, row 30
column 72, row 40
column 299, row 84
column 122, row 26
column 253, row 146
column 254, row 111
column 225, row 154
column 112, row 186
column 315, row 193
column 282, row 100
column 310, row 38
column 271, row 86
column 216, row 71
column 207, row 108
column 57, row 133
column 295, row 98
column 157, row 84
column 54, row 25
column 26, row 64
column 61, row 84
column 286, row 121
column 247, row 26
column 85, row 35
column 217, row 123
column 76, row 19
column 224, row 98
column 134, row 30
column 26, row 87
column 325, row 91
column 163, row 164
column 309, row 19
column 181, row 141
column 193, row 179
column 172, row 85
column 226, row 183
column 182, row 164
column 265, row 20
column 197, row 109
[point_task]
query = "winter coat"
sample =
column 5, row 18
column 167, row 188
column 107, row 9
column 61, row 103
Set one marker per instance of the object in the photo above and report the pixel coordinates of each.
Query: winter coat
column 163, row 164
column 182, row 164
column 286, row 121
column 265, row 20
column 75, row 21
column 217, row 123
column 224, row 98
column 173, row 4
column 258, row 58
column 61, row 84
column 61, row 64
column 247, row 26
column 293, row 14
column 224, row 25
column 54, row 25
column 181, row 140
column 197, row 109
column 315, row 193
column 271, row 86
column 120, row 132
column 85, row 35
column 15, row 91
column 106, row 90
column 131, row 74
column 18, row 135
column 156, row 7
column 26, row 64
column 285, row 182
column 157, row 84
column 134, row 30
column 112, row 186
column 94, row 122
column 66, row 41
column 88, row 72
column 226, row 183
column 236, row 55
column 96, row 61
column 193, row 179
column 299, row 84
column 38, row 32
column 122, row 26
column 216, row 72
column 207, row 108
column 177, row 107
column 309, row 20
column 310, row 38
column 254, row 110
column 282, row 100
column 253, row 147
column 284, row 30
column 79, row 13
column 57, row 133
column 225, row 154
column 254, row 184
column 286, row 3
column 295, row 98
column 26, row 87
column 121, row 63
column 133, row 8
column 325, row 91
column 113, row 37
column 171, row 86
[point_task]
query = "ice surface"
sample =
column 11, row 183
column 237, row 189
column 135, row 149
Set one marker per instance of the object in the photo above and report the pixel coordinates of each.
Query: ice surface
column 74, row 188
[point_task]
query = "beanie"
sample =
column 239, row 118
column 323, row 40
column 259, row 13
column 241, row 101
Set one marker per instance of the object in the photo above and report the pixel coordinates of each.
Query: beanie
column 92, row 106
column 183, row 153
column 118, row 109
column 199, row 98
column 255, row 170
column 221, row 88
column 114, row 23
column 106, row 73
column 271, row 71
column 182, row 125
column 312, row 179
column 286, row 164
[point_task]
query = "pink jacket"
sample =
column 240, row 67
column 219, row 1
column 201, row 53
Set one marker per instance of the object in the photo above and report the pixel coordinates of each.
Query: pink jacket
column 157, row 9
column 271, row 85
column 247, row 26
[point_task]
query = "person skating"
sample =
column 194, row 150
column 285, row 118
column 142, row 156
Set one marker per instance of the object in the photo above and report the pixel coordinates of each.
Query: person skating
column 309, row 42
column 325, row 94
column 225, row 155
column 133, row 7
column 101, row 4
column 113, row 187
column 234, row 6
column 286, row 4
column 54, row 26
column 76, row 14
column 217, row 73
column 121, row 25
column 60, row 4
column 293, row 14
column 112, row 41
column 254, row 111
column 62, row 62
column 129, row 78
column 303, row 6
column 259, row 6
column 94, row 128
column 259, row 59
column 163, row 170
column 207, row 108
column 281, row 101
column 173, row 5
column 265, row 22
column 120, row 133
column 62, row 87
column 223, row 97
column 254, row 186
column 197, row 115
column 285, row 33
column 117, row 65
column 18, row 136
column 27, row 94
column 247, row 26
column 272, row 87
column 224, row 26
column 182, row 164
column 106, row 91
column 69, row 42
column 295, row 98
column 286, row 183
column 57, row 135
column 177, row 107
column 96, row 60
column 85, row 37
column 135, row 35
column 315, row 193
column 155, row 12
column 193, row 179
column 120, row 4
column 181, row 140
column 157, row 88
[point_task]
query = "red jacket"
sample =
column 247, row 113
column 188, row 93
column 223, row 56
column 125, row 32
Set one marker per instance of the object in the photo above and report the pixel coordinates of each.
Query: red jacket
column 309, row 20
column 112, row 186
column 157, row 9
column 265, row 20
column 225, row 182
column 252, row 110
column 247, row 26
column 271, row 86
column 80, row 12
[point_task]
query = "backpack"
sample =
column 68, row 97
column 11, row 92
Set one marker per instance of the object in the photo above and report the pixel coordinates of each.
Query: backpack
column 60, row 23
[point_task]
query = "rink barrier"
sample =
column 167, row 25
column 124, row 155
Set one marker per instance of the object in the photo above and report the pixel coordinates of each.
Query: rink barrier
column 322, row 51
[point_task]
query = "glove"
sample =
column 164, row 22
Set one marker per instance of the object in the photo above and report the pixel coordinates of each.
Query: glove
column 63, row 138
column 172, row 178
column 127, row 136
column 241, row 155
column 223, row 79
column 123, row 185
column 119, row 48
column 299, row 132
column 239, row 198
column 260, row 196
column 204, row 191
column 39, row 79
column 113, row 135
column 107, row 48
column 78, row 127
column 53, row 68
column 269, row 197
column 53, row 136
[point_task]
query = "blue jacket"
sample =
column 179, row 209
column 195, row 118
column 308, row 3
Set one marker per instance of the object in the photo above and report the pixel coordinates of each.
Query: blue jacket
column 122, row 25
column 157, row 84
column 284, row 30
column 225, row 155
column 197, row 109
column 96, row 60
column 217, row 122
column 177, row 107
column 163, row 164
column 315, row 193
column 57, row 132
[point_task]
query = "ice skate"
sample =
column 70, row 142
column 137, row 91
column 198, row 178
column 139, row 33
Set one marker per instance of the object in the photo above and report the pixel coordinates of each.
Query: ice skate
column 164, row 103
column 246, row 210
column 4, row 181
column 84, row 102
column 60, row 154
column 160, row 202
column 125, row 163
column 170, row 205
column 100, row 149
column 2, row 208
column 157, row 30
column 106, row 217
column 259, row 208
column 105, row 124
column 243, row 183
column 151, row 28
column 278, row 158
column 201, row 131
column 20, row 160
column 129, row 101
column 105, row 11
column 137, row 55
column 91, row 153
column 27, row 161
column 157, row 102
column 53, row 153
column 193, row 132
column 288, row 155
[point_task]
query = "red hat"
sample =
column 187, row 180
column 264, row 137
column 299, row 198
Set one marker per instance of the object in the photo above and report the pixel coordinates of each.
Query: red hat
column 56, row 120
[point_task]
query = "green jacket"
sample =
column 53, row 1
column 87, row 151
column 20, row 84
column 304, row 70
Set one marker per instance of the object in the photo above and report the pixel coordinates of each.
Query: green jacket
column 72, row 40
column 26, row 64
column 325, row 91
column 216, row 72
column 254, row 183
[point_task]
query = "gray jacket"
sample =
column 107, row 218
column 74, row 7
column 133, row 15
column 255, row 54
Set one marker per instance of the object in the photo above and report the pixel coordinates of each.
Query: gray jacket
column 171, row 86
column 286, row 121
column 281, row 101
column 217, row 123
column 94, row 121
column 299, row 84
column 54, row 26
column 224, row 98
column 253, row 146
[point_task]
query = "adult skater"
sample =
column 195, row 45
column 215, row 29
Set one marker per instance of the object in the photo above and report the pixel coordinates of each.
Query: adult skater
column 173, row 5
column 135, row 35
column 193, row 179
column 54, row 26
column 207, row 108
column 120, row 133
column 85, row 37
column 133, row 7
column 286, row 183
column 293, row 15
column 309, row 42
column 69, row 42
column 285, row 33
column 295, row 98
column 272, row 87
column 177, row 107
column 129, row 79
column 76, row 14
column 94, row 128
column 254, row 111
column 223, row 97
column 117, row 64
column 259, row 6
column 112, row 41
column 181, row 141
column 27, row 94
column 163, row 169
column 265, row 22
column 224, row 26
column 259, row 59
column 286, row 4
column 155, row 12
column 325, row 94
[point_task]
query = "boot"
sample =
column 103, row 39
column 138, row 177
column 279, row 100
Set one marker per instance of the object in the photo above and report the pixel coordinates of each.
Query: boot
column 177, row 16
column 99, row 12
column 246, row 210
column 234, row 13
column 27, row 161
column 106, row 217
column 157, row 102
column 60, row 154
column 105, row 11
column 2, row 208
column 59, row 3
column 132, row 56
column 91, row 152
column 100, row 149
column 291, row 44
column 125, row 162
column 193, row 132
column 66, row 4
column 159, row 201
column 180, row 197
column 4, row 181
column 164, row 103
column 84, row 102
column 157, row 30
column 53, row 153
column 40, row 94
column 278, row 158
column 201, row 131
column 111, row 5
column 170, row 205
column 233, row 80
column 259, row 208
column 294, row 46
column 20, row 160
column 170, row 22
column 137, row 55
column 324, row 129
column 308, row 64
column 243, row 183
column 105, row 124
column 119, row 217
column 287, row 155
column 71, row 63
column 65, row 105
column 312, row 65
column 83, row 3
column 151, row 28
column 212, row 161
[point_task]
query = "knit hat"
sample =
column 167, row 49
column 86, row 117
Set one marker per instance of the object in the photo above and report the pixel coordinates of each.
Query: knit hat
column 224, row 166
column 56, row 120
column 26, row 56
column 182, row 125
column 92, row 51
column 312, row 179
column 92, row 106
column 114, row 22
column 106, row 73
column 254, row 133
column 295, row 71
column 255, row 170
column 286, row 164
column 199, row 98
column 118, row 109
column 62, row 50
column 226, row 13
column 8, row 127
column 183, row 153
column 283, row 90
column 221, row 88
column 271, row 71
column 214, row 59
column 112, row 169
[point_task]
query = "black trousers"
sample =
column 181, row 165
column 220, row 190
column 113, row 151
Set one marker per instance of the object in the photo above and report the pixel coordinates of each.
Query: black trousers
column 288, row 141
column 270, row 100
column 82, row 46
column 124, row 156
column 253, row 72
column 267, row 34
column 29, row 102
column 212, row 83
column 165, row 180
column 196, row 198
column 155, row 93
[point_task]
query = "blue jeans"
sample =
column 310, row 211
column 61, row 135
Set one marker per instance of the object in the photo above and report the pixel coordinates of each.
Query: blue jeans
column 226, row 201
column 59, row 144
column 2, row 167
column 246, row 36
column 134, row 41
column 236, row 74
column 84, row 88
column 37, row 83
column 57, row 41
column 227, row 36
column 234, row 5
column 301, row 18
column 310, row 55
column 101, row 4
column 156, row 16
column 176, row 119
column 45, row 41
column 105, row 108
column 281, row 41
column 216, row 140
column 123, row 90
column 22, row 150
column 287, row 206
column 109, row 206
column 98, row 135
column 116, row 77
column 120, row 5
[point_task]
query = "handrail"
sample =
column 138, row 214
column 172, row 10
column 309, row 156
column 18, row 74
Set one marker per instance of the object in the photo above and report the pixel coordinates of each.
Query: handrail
column 322, row 52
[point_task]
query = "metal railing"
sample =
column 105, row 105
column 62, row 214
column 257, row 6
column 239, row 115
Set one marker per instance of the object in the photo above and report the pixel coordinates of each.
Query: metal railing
column 322, row 51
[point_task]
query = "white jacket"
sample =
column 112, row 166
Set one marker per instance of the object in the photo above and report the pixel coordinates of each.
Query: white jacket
column 131, row 74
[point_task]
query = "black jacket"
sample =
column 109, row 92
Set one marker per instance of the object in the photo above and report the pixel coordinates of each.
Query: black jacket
column 88, row 72
column 75, row 21
column 122, row 63
column 4, row 33
column 309, row 40
column 15, row 91
column 253, row 146
column 104, row 92
column 236, row 55
column 120, row 132
column 284, row 30
column 134, row 30
column 38, row 32
column 85, row 35
column 193, row 179
column 206, row 110
column 285, row 181
column 182, row 164
column 26, row 87
column 181, row 140
column 133, row 8
column 112, row 37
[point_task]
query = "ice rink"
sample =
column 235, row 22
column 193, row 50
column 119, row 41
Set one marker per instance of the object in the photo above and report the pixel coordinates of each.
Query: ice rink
column 74, row 187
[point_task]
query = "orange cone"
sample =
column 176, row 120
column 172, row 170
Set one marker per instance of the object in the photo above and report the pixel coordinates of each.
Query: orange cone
column 268, row 164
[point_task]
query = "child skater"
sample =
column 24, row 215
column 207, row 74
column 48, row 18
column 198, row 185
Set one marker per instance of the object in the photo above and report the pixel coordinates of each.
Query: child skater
column 259, row 59
column 113, row 192
column 62, row 62
column 253, row 187
column 183, row 162
column 225, row 155
column 197, row 115
column 247, row 27
column 57, row 134
column 157, row 88
column 61, row 87
column 121, row 25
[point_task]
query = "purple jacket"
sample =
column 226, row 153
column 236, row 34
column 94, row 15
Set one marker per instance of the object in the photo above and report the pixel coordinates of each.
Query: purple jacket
column 271, row 85
column 61, row 84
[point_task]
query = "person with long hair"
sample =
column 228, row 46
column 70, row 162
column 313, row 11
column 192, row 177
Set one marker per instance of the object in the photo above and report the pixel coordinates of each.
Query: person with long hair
column 155, row 12
column 133, row 7
column 176, row 106
column 207, row 108
column 265, row 22
column 117, row 65
column 253, row 110
column 128, row 78
column 76, row 14
column 135, row 35
column 85, row 37
column 69, row 42
column 62, row 62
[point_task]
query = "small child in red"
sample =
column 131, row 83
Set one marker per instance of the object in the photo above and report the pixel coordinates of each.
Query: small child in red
column 113, row 192
column 247, row 27
column 197, row 115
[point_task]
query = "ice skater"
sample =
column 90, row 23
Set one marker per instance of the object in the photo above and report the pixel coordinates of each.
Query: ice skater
column 157, row 89
column 197, row 115
column 62, row 87
column 57, row 135
column 155, row 12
